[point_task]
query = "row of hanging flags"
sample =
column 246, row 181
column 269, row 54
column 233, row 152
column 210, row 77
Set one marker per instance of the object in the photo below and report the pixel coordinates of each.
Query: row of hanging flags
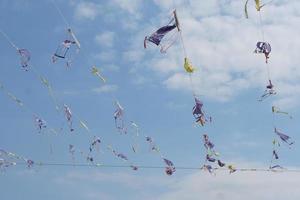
column 164, row 38
column 66, row 51
column 167, row 35
column 264, row 47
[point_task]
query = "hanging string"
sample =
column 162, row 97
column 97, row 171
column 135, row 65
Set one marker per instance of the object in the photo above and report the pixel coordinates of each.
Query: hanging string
column 23, row 105
column 263, row 40
column 183, row 45
column 269, row 78
column 275, row 144
column 60, row 13
column 112, row 94
column 43, row 80
column 115, row 100
column 54, row 99
column 185, row 53
column 9, row 40
column 261, row 26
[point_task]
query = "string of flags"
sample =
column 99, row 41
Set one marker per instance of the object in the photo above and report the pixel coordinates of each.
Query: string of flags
column 164, row 38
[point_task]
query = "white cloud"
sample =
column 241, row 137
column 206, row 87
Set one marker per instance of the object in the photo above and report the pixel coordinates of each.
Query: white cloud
column 122, row 179
column 71, row 92
column 111, row 67
column 106, row 56
column 207, row 8
column 105, row 39
column 87, row 10
column 131, row 6
column 220, row 43
column 192, row 186
column 168, row 4
column 175, row 106
column 125, row 12
column 105, row 89
column 242, row 185
column 133, row 55
column 140, row 79
column 165, row 65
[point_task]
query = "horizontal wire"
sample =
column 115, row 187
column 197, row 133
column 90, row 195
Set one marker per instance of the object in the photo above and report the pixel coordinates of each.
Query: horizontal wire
column 99, row 165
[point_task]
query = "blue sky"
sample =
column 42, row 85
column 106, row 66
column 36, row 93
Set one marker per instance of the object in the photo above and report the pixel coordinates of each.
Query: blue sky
column 156, row 94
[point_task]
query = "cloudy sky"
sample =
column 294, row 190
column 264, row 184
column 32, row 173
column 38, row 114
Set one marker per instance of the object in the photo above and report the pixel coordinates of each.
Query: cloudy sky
column 156, row 94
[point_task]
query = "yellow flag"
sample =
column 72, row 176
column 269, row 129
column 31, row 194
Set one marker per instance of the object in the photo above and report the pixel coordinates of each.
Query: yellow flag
column 188, row 66
column 257, row 5
column 96, row 72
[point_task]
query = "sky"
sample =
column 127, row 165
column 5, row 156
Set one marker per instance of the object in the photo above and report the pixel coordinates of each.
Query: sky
column 156, row 94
